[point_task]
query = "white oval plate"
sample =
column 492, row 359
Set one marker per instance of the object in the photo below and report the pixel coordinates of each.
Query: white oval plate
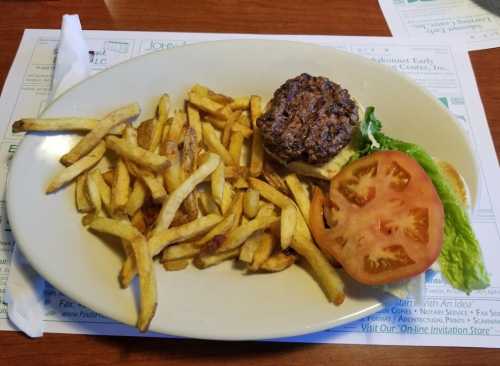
column 221, row 302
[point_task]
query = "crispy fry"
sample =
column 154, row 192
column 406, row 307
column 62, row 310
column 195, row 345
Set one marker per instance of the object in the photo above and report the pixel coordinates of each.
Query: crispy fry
column 300, row 194
column 194, row 121
column 217, row 184
column 104, row 190
column 61, row 124
column 172, row 203
column 178, row 123
column 179, row 251
column 173, row 175
column 263, row 252
column 288, row 222
column 202, row 262
column 270, row 193
column 92, row 139
column 139, row 222
column 278, row 262
column 71, row 172
column 136, row 198
column 163, row 108
column 255, row 109
column 226, row 133
column 240, row 183
column 120, row 189
column 238, row 236
column 137, row 154
column 236, row 209
column 215, row 122
column 257, row 155
column 93, row 192
column 240, row 103
column 188, row 163
column 207, row 204
column 220, row 229
column 209, row 106
column 214, row 145
column 162, row 111
column 175, row 265
column 227, row 198
column 250, row 246
column 235, row 146
column 274, row 179
column 153, row 184
column 145, row 133
column 244, row 130
column 81, row 199
column 108, row 176
column 251, row 203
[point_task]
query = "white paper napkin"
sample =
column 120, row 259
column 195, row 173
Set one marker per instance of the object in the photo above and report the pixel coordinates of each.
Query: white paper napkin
column 24, row 295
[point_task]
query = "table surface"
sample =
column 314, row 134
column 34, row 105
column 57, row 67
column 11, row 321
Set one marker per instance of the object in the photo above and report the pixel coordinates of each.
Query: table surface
column 339, row 17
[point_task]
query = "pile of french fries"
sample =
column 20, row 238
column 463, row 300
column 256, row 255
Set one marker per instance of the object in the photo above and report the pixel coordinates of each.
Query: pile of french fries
column 187, row 186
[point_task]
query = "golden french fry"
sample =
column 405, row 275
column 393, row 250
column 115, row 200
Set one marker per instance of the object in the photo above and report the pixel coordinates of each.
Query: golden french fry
column 215, row 122
column 173, row 202
column 244, row 130
column 145, row 133
column 257, row 154
column 93, row 192
column 270, row 193
column 251, row 203
column 179, row 251
column 81, row 199
column 226, row 133
column 266, row 209
column 188, row 163
column 235, row 146
column 88, row 218
column 220, row 229
column 207, row 204
column 217, row 184
column 173, row 175
column 91, row 139
column 263, row 252
column 136, row 198
column 194, row 121
column 274, row 179
column 240, row 103
column 236, row 237
column 104, row 190
column 202, row 262
column 209, row 106
column 162, row 111
column 255, row 109
column 175, row 265
column 288, row 222
column 214, row 145
column 108, row 177
column 120, row 188
column 178, row 123
column 278, row 262
column 240, row 183
column 61, row 124
column 71, row 172
column 154, row 185
column 236, row 209
column 139, row 222
column 163, row 108
column 249, row 247
column 227, row 198
column 300, row 194
column 137, row 154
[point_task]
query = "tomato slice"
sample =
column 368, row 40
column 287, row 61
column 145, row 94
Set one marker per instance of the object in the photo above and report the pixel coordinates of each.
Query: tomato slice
column 383, row 220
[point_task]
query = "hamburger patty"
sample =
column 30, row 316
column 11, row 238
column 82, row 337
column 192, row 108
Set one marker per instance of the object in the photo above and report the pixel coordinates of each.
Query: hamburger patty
column 309, row 119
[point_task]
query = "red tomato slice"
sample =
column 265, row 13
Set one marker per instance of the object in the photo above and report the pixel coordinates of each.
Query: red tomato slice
column 383, row 219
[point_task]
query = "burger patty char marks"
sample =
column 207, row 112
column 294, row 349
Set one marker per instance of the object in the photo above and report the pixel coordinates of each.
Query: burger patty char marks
column 309, row 119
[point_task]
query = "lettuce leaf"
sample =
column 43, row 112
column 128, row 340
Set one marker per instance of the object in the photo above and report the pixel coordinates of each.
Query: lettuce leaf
column 460, row 260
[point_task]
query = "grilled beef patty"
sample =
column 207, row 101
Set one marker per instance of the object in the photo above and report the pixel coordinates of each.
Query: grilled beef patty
column 309, row 119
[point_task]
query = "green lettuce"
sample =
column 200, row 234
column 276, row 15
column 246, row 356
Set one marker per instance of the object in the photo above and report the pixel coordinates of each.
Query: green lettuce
column 460, row 260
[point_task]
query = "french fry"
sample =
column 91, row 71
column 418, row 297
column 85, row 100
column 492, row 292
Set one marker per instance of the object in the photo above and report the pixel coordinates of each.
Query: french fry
column 240, row 183
column 194, row 121
column 136, row 198
column 173, row 175
column 92, row 139
column 108, row 177
column 81, row 199
column 137, row 154
column 300, row 194
column 153, row 184
column 215, row 122
column 188, row 163
column 202, row 262
column 175, row 265
column 244, row 130
column 120, row 188
column 255, row 109
column 288, row 222
column 144, row 262
column 209, row 106
column 166, row 131
column 207, row 204
column 235, row 146
column 263, row 252
column 178, row 123
column 251, row 203
column 278, row 262
column 217, row 184
column 240, row 103
column 93, row 192
column 236, row 209
column 226, row 133
column 61, row 124
column 173, row 202
column 257, row 155
column 270, row 193
column 71, row 172
column 104, row 190
column 163, row 108
column 179, row 251
column 214, row 145
column 250, row 246
column 227, row 198
column 139, row 222
column 220, row 229
column 238, row 236
column 145, row 133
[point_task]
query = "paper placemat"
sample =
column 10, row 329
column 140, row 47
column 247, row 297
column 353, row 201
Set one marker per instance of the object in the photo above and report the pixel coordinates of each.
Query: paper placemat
column 447, row 317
